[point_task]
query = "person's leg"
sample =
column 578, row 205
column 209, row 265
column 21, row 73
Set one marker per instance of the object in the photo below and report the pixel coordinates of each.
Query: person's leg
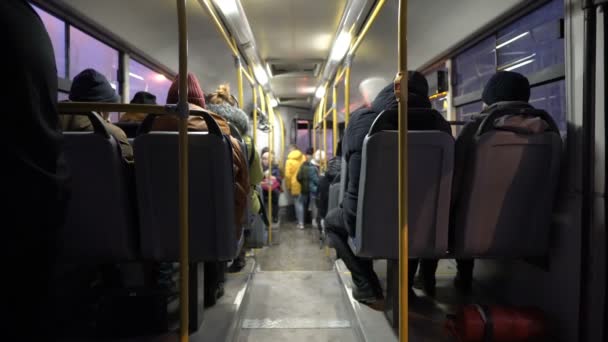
column 275, row 206
column 368, row 287
column 464, row 277
column 299, row 206
column 428, row 267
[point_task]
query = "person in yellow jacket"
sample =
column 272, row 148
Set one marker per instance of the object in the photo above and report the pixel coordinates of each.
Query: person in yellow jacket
column 295, row 159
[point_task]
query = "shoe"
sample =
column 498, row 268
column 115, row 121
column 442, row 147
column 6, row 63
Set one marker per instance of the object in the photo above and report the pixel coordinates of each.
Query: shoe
column 275, row 220
column 237, row 265
column 365, row 295
column 300, row 226
column 428, row 285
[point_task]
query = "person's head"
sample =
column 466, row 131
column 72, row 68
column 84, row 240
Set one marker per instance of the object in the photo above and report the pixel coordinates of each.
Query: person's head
column 264, row 150
column 195, row 93
column 418, row 91
column 318, row 157
column 370, row 87
column 265, row 158
column 506, row 86
column 292, row 147
column 309, row 152
column 222, row 95
column 143, row 97
column 232, row 114
column 91, row 86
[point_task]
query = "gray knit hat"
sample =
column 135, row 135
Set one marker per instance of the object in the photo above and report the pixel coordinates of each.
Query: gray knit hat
column 232, row 114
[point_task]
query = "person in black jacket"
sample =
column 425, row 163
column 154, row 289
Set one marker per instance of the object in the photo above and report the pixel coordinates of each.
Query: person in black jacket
column 340, row 222
column 36, row 179
column 331, row 176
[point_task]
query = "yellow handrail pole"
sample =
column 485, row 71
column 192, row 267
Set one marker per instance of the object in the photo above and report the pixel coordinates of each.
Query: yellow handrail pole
column 239, row 79
column 220, row 27
column 339, row 75
column 255, row 116
column 282, row 128
column 366, row 27
column 324, row 129
column 248, row 76
column 401, row 95
column 270, row 148
column 334, row 127
column 183, row 109
column 347, row 93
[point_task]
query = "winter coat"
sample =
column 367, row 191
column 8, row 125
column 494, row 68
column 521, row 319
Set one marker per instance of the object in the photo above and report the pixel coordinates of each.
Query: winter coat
column 255, row 174
column 308, row 177
column 295, row 159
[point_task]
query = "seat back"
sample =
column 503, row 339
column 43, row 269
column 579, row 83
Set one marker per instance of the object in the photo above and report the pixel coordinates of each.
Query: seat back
column 430, row 169
column 101, row 216
column 130, row 128
column 211, row 195
column 508, row 190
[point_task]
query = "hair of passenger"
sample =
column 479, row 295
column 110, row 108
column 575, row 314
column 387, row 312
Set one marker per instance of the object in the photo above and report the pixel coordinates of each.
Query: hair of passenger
column 309, row 151
column 264, row 150
column 292, row 147
column 506, row 86
column 222, row 95
column 196, row 96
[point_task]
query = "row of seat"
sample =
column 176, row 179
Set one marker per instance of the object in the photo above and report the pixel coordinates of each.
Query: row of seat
column 119, row 214
column 506, row 199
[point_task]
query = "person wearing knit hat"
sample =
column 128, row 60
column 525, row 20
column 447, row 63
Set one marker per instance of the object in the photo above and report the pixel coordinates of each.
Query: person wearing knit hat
column 141, row 97
column 91, row 86
column 232, row 114
column 196, row 96
column 506, row 86
column 225, row 105
column 505, row 89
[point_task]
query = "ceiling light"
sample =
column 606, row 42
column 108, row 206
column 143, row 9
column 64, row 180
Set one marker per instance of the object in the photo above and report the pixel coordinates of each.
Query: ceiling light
column 320, row 92
column 228, row 7
column 273, row 102
column 160, row 77
column 519, row 65
column 260, row 74
column 512, row 40
column 136, row 76
column 340, row 47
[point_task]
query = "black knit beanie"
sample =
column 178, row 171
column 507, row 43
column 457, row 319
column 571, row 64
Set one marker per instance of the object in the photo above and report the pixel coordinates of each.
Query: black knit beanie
column 506, row 86
column 143, row 97
column 91, row 86
column 417, row 84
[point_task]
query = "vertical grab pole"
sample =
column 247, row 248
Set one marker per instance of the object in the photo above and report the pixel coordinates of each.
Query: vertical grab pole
column 270, row 149
column 334, row 126
column 401, row 95
column 239, row 81
column 255, row 115
column 347, row 91
column 282, row 128
column 183, row 110
column 324, row 129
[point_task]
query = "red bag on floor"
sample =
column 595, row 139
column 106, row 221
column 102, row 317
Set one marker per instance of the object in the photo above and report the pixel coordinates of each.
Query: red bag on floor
column 475, row 323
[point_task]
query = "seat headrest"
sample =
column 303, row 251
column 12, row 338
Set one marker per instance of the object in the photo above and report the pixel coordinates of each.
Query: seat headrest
column 419, row 119
column 522, row 120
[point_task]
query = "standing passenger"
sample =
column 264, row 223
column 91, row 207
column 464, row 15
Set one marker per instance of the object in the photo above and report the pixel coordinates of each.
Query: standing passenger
column 308, row 177
column 35, row 186
column 295, row 158
column 91, row 86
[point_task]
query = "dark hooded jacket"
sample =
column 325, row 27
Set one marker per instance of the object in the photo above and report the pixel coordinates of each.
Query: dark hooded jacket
column 352, row 145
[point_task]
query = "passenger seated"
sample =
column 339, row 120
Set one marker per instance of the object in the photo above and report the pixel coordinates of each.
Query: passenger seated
column 141, row 97
column 331, row 176
column 271, row 183
column 91, row 86
column 223, row 103
column 214, row 271
column 504, row 89
column 340, row 222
